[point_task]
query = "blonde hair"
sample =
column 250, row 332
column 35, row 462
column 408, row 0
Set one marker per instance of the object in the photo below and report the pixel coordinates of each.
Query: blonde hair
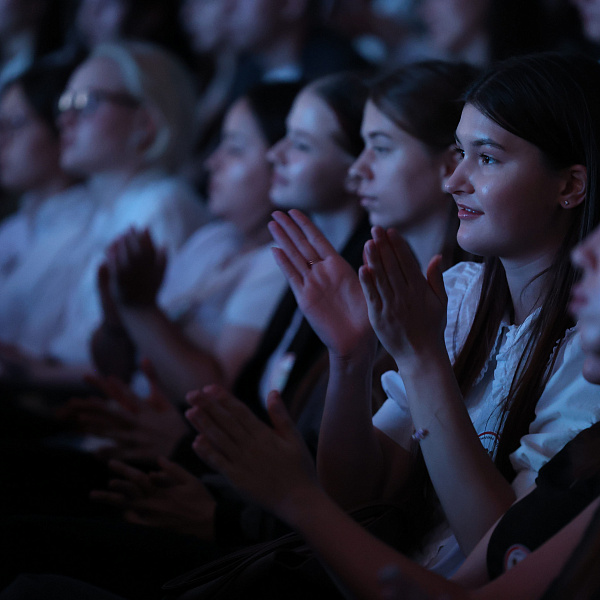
column 164, row 86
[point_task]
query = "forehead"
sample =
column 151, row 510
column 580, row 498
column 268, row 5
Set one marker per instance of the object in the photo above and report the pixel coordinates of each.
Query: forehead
column 311, row 114
column 100, row 72
column 241, row 120
column 375, row 120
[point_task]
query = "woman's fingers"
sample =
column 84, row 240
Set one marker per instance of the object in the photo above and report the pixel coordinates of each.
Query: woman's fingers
column 435, row 277
column 294, row 278
column 217, row 418
column 131, row 478
column 296, row 253
column 313, row 234
column 300, row 249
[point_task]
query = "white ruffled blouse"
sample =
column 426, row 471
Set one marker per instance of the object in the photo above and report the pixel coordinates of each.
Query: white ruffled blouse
column 568, row 404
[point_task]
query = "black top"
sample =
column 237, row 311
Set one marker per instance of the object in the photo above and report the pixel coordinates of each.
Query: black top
column 566, row 485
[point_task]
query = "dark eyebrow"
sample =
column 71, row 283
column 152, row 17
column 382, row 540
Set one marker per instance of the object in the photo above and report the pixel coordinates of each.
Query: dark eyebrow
column 482, row 142
column 375, row 134
column 487, row 142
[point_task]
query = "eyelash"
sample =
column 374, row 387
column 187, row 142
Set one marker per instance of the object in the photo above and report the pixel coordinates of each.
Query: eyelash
column 380, row 149
column 486, row 159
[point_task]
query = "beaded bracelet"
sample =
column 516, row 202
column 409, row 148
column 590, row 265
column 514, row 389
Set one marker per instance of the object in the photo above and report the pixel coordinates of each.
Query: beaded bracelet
column 419, row 434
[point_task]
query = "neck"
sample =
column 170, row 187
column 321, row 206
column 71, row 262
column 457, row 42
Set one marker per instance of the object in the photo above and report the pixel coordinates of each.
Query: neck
column 111, row 182
column 527, row 287
column 49, row 188
column 254, row 234
column 337, row 225
column 426, row 238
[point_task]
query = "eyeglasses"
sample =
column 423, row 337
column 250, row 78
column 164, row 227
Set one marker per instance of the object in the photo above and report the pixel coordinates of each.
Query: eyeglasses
column 87, row 102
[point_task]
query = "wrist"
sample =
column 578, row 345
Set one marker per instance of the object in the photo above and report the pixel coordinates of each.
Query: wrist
column 300, row 506
column 359, row 359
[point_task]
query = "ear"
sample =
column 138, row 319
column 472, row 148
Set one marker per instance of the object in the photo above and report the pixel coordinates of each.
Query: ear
column 447, row 165
column 144, row 133
column 574, row 187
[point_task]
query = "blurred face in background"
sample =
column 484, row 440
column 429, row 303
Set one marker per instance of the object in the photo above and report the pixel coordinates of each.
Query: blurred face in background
column 240, row 174
column 589, row 13
column 585, row 303
column 310, row 165
column 29, row 148
column 105, row 133
column 451, row 24
column 100, row 20
column 253, row 23
column 206, row 23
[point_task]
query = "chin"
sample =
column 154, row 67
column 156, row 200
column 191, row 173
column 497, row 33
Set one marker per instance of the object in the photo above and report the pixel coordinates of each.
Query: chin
column 282, row 202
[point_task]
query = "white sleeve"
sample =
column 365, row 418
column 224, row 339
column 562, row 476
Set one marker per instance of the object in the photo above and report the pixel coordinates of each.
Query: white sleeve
column 393, row 418
column 258, row 294
column 568, row 405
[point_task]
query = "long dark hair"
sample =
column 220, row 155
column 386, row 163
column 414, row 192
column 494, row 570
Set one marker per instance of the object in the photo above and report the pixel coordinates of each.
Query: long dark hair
column 425, row 99
column 345, row 93
column 270, row 103
column 553, row 102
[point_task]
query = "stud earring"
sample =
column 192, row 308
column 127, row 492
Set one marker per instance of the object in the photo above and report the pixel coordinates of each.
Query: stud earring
column 566, row 203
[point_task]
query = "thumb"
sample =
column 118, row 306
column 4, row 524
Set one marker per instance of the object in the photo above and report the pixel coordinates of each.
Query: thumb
column 435, row 278
column 278, row 414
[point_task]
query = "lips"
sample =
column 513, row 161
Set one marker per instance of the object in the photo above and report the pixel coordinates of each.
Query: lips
column 278, row 179
column 466, row 212
column 367, row 202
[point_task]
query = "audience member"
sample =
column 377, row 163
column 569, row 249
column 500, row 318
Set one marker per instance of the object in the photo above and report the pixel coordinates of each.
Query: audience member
column 50, row 217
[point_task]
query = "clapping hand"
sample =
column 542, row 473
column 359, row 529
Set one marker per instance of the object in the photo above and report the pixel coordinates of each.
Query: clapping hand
column 406, row 309
column 325, row 285
column 272, row 465
column 141, row 429
column 136, row 268
column 170, row 498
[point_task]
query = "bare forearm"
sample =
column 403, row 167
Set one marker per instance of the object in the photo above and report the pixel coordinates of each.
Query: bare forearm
column 354, row 557
column 181, row 366
column 472, row 491
column 350, row 459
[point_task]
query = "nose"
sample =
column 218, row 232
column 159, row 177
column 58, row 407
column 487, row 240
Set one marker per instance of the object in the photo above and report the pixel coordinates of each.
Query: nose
column 66, row 118
column 361, row 167
column 459, row 181
column 276, row 154
column 584, row 255
column 212, row 162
